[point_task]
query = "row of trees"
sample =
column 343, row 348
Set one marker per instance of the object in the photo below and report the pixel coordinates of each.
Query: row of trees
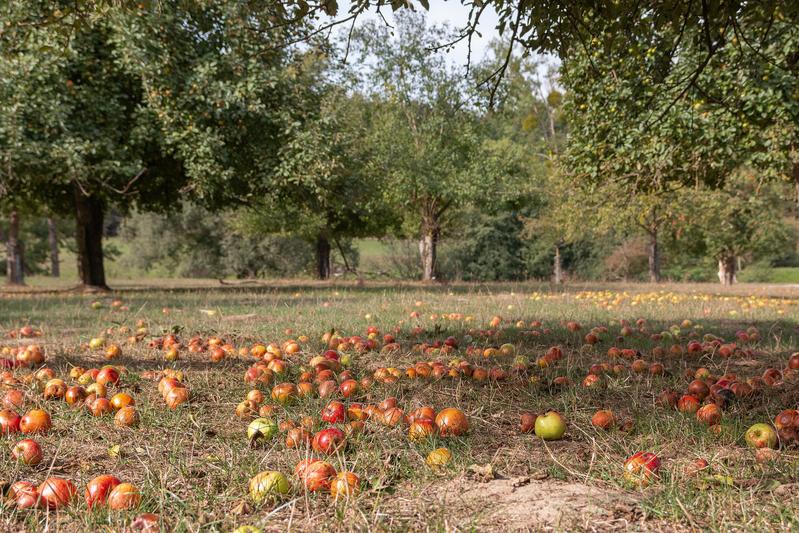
column 680, row 129
column 147, row 110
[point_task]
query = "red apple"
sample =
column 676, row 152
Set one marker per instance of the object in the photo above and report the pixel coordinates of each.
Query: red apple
column 28, row 452
column 328, row 441
column 98, row 489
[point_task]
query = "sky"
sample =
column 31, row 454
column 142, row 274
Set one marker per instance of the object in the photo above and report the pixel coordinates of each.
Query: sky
column 456, row 15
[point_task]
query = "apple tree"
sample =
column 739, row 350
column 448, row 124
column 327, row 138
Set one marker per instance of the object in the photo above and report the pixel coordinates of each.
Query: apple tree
column 133, row 107
column 424, row 136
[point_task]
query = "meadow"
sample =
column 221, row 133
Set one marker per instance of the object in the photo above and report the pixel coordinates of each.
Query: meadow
column 192, row 464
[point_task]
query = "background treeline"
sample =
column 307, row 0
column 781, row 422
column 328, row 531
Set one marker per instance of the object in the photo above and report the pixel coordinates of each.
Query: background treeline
column 175, row 142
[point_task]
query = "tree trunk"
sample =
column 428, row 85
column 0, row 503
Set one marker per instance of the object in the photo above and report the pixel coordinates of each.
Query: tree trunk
column 654, row 257
column 322, row 257
column 15, row 271
column 52, row 238
column 727, row 270
column 89, row 213
column 796, row 185
column 557, row 273
column 428, row 246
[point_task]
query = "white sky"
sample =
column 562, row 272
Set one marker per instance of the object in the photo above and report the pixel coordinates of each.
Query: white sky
column 455, row 15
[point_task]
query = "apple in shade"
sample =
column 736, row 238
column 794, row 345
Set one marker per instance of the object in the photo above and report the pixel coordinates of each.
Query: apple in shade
column 761, row 436
column 550, row 426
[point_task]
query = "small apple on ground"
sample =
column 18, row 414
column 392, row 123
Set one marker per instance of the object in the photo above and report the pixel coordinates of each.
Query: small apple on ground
column 761, row 436
column 550, row 426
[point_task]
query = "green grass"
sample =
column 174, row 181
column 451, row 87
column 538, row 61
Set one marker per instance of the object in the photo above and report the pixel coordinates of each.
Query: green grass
column 193, row 464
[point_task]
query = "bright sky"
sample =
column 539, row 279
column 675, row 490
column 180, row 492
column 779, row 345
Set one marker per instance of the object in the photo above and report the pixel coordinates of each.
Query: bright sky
column 455, row 15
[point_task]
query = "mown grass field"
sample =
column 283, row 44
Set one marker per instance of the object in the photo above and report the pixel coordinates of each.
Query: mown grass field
column 192, row 464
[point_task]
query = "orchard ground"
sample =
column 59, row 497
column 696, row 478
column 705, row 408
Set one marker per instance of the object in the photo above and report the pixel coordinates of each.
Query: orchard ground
column 193, row 464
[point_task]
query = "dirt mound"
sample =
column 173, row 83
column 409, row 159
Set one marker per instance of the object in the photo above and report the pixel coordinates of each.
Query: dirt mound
column 528, row 504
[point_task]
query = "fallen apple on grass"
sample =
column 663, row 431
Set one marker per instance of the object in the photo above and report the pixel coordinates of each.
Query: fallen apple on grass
column 641, row 468
column 761, row 436
column 550, row 426
column 268, row 484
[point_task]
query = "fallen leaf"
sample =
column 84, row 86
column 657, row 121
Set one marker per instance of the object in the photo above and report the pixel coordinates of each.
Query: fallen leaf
column 241, row 508
column 482, row 473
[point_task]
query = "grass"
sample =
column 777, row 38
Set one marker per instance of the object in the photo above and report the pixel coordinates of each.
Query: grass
column 193, row 464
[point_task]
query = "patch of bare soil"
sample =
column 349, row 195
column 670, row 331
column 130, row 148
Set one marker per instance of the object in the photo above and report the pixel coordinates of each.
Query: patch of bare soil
column 528, row 504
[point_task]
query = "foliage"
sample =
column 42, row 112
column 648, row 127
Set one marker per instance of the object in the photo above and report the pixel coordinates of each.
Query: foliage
column 321, row 187
column 194, row 242
column 34, row 234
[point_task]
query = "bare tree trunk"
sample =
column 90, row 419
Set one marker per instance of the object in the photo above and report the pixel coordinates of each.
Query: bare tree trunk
column 322, row 257
column 89, row 212
column 15, row 261
column 557, row 273
column 428, row 245
column 52, row 238
column 796, row 185
column 727, row 266
column 654, row 257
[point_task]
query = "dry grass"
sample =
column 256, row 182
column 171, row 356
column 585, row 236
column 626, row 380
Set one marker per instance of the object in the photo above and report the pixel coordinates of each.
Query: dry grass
column 193, row 464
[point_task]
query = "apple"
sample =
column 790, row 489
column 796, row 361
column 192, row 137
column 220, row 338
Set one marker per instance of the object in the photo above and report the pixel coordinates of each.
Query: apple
column 328, row 441
column 688, row 404
column 761, row 436
column 126, row 417
column 603, row 419
column 27, row 452
column 35, row 421
column 316, row 475
column 24, row 494
column 641, row 467
column 550, row 426
column 124, row 497
column 452, row 422
column 98, row 489
column 709, row 414
column 334, row 412
column 57, row 492
column 267, row 484
column 527, row 422
column 668, row 398
column 9, row 422
column 786, row 418
column 344, row 485
column 422, row 429
column 261, row 429
column 438, row 458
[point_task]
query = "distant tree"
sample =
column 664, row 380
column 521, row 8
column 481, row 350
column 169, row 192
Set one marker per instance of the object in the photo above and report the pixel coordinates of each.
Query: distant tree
column 15, row 256
column 322, row 189
column 425, row 137
column 744, row 219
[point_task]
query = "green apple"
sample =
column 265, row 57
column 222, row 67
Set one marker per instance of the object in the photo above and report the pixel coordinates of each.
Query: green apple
column 96, row 342
column 507, row 349
column 550, row 426
column 261, row 428
column 268, row 483
column 761, row 436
